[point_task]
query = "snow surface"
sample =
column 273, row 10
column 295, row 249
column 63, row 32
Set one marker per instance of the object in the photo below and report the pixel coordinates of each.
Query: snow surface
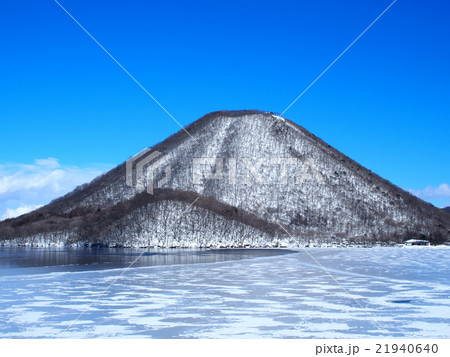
column 406, row 290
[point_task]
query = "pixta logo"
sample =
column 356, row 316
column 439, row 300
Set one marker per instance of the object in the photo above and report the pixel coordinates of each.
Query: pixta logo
column 141, row 170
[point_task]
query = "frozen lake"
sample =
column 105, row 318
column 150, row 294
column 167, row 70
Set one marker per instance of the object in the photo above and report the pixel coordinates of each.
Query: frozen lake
column 371, row 292
column 22, row 260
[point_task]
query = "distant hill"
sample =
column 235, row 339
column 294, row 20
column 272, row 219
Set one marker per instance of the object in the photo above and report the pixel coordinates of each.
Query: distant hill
column 274, row 176
column 447, row 209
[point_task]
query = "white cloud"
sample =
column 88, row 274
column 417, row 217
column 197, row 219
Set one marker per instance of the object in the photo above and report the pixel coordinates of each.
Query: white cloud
column 439, row 196
column 24, row 186
column 431, row 193
column 16, row 212
column 50, row 162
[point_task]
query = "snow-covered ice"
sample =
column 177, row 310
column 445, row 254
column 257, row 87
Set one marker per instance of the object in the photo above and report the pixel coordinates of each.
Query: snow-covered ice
column 394, row 292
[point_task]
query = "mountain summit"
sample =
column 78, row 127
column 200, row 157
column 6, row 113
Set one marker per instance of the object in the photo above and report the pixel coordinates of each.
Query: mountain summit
column 244, row 178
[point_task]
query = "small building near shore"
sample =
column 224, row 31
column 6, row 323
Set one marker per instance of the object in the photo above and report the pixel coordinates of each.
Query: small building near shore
column 417, row 242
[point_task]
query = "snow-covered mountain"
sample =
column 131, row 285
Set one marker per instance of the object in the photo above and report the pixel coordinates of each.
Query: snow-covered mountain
column 246, row 178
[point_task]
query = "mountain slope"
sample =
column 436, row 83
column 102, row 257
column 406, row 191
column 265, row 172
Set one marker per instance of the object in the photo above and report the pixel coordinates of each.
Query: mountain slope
column 272, row 172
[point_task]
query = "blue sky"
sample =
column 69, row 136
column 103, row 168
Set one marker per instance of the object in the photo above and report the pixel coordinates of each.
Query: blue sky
column 66, row 104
